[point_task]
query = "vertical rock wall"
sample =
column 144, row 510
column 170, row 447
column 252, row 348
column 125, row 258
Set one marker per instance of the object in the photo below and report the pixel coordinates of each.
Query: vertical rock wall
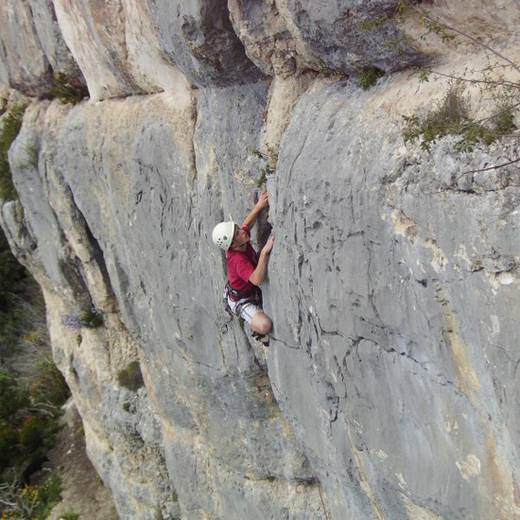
column 389, row 387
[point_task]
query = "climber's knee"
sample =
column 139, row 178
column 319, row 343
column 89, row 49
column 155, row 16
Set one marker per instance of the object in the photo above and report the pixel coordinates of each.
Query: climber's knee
column 261, row 323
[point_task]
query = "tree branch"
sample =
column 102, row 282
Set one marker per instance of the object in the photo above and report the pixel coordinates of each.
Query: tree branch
column 488, row 82
column 495, row 167
column 465, row 35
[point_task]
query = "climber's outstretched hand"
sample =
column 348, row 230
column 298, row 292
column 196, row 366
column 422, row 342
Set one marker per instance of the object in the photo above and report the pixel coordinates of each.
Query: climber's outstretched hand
column 263, row 200
column 268, row 246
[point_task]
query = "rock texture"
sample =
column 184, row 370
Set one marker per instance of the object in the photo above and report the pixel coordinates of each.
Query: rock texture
column 389, row 390
column 32, row 49
column 282, row 36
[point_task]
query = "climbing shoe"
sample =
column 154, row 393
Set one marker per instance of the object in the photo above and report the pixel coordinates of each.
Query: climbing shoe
column 262, row 338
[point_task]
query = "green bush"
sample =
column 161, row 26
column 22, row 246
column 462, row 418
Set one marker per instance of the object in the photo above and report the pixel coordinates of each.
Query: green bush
column 451, row 117
column 12, row 396
column 91, row 318
column 11, row 272
column 371, row 24
column 367, row 76
column 69, row 516
column 67, row 90
column 8, row 444
column 36, row 502
column 28, row 415
column 48, row 385
column 131, row 377
column 32, row 433
column 11, row 124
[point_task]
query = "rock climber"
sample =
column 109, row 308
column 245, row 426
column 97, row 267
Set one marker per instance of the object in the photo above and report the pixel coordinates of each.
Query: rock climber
column 246, row 270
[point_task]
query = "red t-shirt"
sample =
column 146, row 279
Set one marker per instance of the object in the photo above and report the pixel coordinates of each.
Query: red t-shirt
column 240, row 266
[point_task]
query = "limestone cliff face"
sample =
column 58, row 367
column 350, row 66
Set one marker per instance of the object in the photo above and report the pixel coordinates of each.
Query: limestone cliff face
column 389, row 390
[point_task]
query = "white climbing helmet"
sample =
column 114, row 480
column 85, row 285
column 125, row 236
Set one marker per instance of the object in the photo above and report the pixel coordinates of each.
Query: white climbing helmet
column 223, row 234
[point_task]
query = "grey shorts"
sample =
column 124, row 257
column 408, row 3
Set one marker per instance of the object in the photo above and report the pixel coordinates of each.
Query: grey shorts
column 247, row 309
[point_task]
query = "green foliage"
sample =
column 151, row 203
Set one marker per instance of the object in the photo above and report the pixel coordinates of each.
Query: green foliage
column 35, row 502
column 262, row 178
column 265, row 170
column 91, row 318
column 504, row 118
column 435, row 27
column 258, row 153
column 32, row 433
column 8, row 443
column 48, row 385
column 11, row 273
column 12, row 396
column 11, row 124
column 399, row 43
column 451, row 117
column 424, row 75
column 402, row 7
column 69, row 516
column 32, row 502
column 367, row 76
column 131, row 377
column 67, row 90
column 28, row 415
column 322, row 68
column 370, row 24
column 21, row 304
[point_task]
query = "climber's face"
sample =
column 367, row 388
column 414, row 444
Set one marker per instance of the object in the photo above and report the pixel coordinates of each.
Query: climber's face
column 240, row 239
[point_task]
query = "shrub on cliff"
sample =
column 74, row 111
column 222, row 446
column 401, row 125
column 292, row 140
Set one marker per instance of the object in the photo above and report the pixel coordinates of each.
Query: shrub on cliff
column 89, row 317
column 67, row 90
column 131, row 377
column 21, row 303
column 33, row 502
column 451, row 117
column 10, row 126
column 29, row 413
column 367, row 76
column 48, row 385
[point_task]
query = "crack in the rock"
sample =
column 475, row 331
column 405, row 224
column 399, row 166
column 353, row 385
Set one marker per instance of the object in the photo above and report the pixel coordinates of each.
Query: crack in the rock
column 288, row 345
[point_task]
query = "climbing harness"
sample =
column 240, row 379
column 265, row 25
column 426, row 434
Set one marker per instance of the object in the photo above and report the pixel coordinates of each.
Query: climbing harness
column 254, row 297
column 243, row 298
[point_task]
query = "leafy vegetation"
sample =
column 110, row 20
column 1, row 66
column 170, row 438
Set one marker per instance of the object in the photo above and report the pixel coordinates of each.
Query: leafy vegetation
column 14, row 287
column 29, row 415
column 11, row 124
column 131, row 377
column 69, row 516
column 371, row 24
column 67, row 90
column 33, row 502
column 266, row 169
column 367, row 76
column 452, row 115
column 89, row 317
column 30, row 396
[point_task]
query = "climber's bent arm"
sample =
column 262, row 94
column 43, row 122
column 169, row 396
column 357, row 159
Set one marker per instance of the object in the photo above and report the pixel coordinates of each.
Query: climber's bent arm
column 251, row 218
column 263, row 202
column 260, row 273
